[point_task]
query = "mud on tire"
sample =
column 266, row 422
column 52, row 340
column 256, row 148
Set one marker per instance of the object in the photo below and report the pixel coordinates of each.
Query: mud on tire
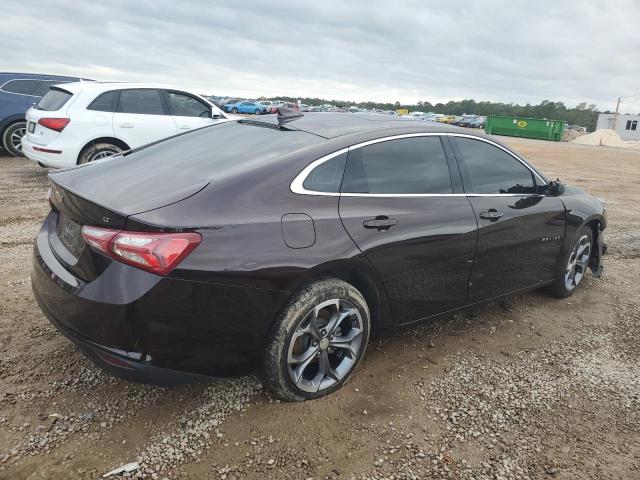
column 276, row 373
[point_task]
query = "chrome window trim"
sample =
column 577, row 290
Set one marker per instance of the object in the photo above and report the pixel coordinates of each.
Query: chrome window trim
column 297, row 185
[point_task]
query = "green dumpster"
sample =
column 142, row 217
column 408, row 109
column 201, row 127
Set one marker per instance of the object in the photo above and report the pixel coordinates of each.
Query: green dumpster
column 525, row 127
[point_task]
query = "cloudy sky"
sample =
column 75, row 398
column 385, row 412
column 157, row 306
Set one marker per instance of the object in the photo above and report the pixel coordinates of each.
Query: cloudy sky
column 516, row 51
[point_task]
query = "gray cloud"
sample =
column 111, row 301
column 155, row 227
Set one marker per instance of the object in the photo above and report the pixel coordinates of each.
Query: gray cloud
column 517, row 51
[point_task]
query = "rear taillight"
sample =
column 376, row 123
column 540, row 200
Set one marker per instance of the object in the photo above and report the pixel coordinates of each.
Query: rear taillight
column 156, row 252
column 56, row 124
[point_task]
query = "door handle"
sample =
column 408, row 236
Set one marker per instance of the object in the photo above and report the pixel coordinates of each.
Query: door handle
column 185, row 127
column 381, row 223
column 492, row 214
column 126, row 125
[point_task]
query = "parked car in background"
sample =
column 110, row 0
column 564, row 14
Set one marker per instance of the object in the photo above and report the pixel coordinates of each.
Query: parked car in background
column 18, row 91
column 274, row 108
column 308, row 240
column 266, row 104
column 81, row 122
column 245, row 106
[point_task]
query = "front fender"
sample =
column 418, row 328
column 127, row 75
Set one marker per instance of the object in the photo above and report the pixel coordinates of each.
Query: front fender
column 585, row 210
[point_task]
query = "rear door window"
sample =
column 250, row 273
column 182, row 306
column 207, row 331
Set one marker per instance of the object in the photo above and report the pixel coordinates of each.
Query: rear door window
column 54, row 100
column 105, row 102
column 406, row 166
column 488, row 169
column 141, row 101
column 22, row 87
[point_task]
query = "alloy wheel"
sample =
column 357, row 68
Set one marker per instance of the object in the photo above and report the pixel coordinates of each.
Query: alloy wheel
column 16, row 137
column 325, row 346
column 578, row 262
column 103, row 154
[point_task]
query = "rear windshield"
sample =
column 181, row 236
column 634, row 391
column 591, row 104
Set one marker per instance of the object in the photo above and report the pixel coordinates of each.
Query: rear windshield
column 54, row 100
column 220, row 150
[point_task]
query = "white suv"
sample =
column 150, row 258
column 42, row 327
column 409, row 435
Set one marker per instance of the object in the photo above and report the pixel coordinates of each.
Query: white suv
column 76, row 123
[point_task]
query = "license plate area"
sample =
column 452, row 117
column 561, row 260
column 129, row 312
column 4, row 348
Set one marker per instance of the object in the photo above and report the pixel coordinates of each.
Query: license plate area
column 70, row 235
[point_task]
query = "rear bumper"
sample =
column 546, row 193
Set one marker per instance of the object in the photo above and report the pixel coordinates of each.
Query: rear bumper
column 67, row 157
column 151, row 329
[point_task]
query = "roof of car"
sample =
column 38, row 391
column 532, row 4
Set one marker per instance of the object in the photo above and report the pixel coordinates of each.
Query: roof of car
column 75, row 86
column 331, row 125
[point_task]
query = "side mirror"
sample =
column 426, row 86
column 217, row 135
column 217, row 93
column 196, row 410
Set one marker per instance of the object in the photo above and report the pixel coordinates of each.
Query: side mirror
column 215, row 114
column 555, row 188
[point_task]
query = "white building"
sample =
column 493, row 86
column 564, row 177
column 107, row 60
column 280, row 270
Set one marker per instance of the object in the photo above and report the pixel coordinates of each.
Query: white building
column 626, row 126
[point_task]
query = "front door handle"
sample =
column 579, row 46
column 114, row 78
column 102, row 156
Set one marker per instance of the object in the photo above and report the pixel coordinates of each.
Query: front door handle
column 185, row 127
column 126, row 125
column 492, row 214
column 381, row 223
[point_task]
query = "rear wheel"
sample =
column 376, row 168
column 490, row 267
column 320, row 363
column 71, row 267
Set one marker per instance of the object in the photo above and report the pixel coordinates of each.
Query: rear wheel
column 317, row 341
column 234, row 110
column 257, row 112
column 98, row 152
column 573, row 265
column 12, row 136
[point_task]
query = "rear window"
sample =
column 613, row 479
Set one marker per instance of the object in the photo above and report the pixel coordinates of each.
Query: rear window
column 213, row 153
column 44, row 85
column 54, row 100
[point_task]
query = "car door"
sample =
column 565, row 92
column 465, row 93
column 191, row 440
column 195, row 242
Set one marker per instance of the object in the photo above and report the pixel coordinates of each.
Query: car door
column 189, row 112
column 520, row 230
column 141, row 117
column 399, row 205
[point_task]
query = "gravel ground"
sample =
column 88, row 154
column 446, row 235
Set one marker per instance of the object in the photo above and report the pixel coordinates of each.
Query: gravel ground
column 543, row 389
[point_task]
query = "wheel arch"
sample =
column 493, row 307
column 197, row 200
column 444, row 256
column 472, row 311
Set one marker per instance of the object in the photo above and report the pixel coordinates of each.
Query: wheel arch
column 113, row 140
column 10, row 120
column 364, row 278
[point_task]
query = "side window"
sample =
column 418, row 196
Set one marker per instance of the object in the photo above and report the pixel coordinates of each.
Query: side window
column 184, row 105
column 105, row 102
column 23, row 87
column 409, row 165
column 327, row 176
column 145, row 101
column 490, row 169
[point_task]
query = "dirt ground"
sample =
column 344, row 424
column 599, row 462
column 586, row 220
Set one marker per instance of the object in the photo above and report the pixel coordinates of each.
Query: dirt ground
column 544, row 389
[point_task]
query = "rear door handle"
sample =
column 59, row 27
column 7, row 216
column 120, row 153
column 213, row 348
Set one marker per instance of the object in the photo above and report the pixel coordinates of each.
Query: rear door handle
column 126, row 125
column 492, row 214
column 185, row 127
column 381, row 223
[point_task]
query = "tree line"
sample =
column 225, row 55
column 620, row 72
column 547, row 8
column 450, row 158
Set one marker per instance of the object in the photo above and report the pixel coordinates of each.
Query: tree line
column 582, row 114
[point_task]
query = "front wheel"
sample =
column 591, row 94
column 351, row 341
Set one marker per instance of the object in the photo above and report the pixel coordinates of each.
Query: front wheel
column 317, row 341
column 12, row 137
column 234, row 110
column 573, row 265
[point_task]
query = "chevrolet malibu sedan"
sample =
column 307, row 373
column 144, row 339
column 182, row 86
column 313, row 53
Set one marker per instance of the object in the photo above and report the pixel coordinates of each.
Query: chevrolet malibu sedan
column 282, row 246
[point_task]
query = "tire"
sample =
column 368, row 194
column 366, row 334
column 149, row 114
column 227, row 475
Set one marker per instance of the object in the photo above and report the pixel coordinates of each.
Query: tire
column 11, row 138
column 572, row 265
column 234, row 110
column 98, row 151
column 257, row 112
column 296, row 348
